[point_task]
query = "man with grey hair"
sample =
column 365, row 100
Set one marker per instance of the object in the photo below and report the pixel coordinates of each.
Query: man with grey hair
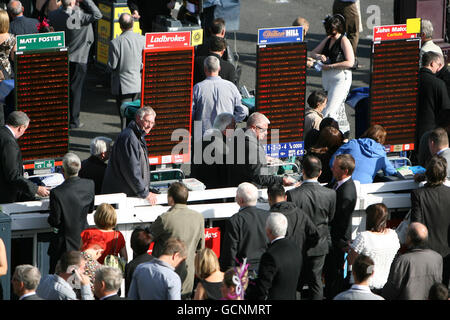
column 413, row 273
column 244, row 235
column 69, row 206
column 280, row 265
column 19, row 24
column 209, row 165
column 125, row 62
column 94, row 167
column 128, row 169
column 107, row 283
column 213, row 96
column 76, row 22
column 426, row 36
column 25, row 281
column 249, row 159
column 13, row 185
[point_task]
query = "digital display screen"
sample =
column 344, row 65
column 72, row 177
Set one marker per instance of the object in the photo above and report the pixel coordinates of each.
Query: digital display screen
column 167, row 88
column 394, row 89
column 42, row 92
column 281, row 89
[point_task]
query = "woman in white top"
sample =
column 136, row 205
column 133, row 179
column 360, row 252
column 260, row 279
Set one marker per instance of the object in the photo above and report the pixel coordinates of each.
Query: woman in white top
column 378, row 242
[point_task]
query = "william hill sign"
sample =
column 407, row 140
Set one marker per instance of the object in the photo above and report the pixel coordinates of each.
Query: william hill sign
column 280, row 35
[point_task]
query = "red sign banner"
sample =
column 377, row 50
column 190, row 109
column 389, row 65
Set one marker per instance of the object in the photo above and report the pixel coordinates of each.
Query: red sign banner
column 158, row 40
column 393, row 32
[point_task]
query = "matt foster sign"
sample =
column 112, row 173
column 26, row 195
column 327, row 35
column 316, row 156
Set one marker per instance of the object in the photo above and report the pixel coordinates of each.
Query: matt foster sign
column 155, row 40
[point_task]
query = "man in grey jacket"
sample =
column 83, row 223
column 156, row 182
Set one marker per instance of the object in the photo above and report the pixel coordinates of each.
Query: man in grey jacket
column 125, row 62
column 128, row 169
column 76, row 22
column 413, row 273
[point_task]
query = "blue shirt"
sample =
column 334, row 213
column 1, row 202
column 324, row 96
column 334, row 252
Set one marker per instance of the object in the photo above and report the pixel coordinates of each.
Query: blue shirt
column 155, row 280
column 214, row 96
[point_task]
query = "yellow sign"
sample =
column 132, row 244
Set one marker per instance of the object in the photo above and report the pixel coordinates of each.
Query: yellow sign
column 196, row 37
column 118, row 31
column 104, row 34
column 413, row 25
column 105, row 10
column 119, row 10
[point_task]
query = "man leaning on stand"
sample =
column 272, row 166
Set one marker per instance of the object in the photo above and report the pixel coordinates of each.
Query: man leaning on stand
column 14, row 186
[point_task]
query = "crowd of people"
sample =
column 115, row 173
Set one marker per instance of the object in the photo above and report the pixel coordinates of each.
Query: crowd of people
column 303, row 241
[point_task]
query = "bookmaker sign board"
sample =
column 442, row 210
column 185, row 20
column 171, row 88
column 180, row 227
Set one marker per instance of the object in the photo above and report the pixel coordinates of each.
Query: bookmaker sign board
column 392, row 32
column 40, row 41
column 280, row 35
column 158, row 40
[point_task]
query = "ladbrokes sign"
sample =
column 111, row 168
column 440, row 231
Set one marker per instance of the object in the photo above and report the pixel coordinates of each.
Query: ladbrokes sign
column 156, row 40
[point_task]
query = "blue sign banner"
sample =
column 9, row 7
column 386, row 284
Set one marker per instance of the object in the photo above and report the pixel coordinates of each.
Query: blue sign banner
column 280, row 35
column 285, row 150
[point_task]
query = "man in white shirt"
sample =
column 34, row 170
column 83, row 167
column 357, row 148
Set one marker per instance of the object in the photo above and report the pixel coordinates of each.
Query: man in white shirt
column 69, row 274
column 25, row 280
column 363, row 270
column 427, row 39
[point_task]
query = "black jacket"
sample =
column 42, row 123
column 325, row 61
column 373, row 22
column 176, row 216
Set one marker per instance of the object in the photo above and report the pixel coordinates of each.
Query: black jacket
column 278, row 272
column 244, row 237
column 124, row 172
column 93, row 168
column 14, row 187
column 430, row 206
column 301, row 230
column 213, row 175
column 148, row 10
column 250, row 164
column 320, row 204
column 69, row 204
column 227, row 70
column 433, row 98
column 341, row 225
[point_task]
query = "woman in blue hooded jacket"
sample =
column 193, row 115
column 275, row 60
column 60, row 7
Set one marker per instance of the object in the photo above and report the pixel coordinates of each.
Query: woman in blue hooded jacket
column 369, row 154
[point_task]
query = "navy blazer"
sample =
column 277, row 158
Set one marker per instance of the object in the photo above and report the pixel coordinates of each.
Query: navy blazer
column 23, row 25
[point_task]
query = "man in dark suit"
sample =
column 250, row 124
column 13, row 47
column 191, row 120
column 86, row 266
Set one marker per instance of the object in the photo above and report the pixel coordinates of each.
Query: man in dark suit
column 76, row 23
column 217, row 47
column 69, row 204
column 25, row 281
column 139, row 241
column 146, row 11
column 250, row 162
column 107, row 283
column 244, row 235
column 433, row 96
column 301, row 230
column 340, row 226
column 19, row 23
column 209, row 166
column 94, row 167
column 429, row 206
column 13, row 185
column 320, row 204
column 280, row 265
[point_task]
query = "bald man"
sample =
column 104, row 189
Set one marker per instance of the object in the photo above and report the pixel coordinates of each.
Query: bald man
column 413, row 273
